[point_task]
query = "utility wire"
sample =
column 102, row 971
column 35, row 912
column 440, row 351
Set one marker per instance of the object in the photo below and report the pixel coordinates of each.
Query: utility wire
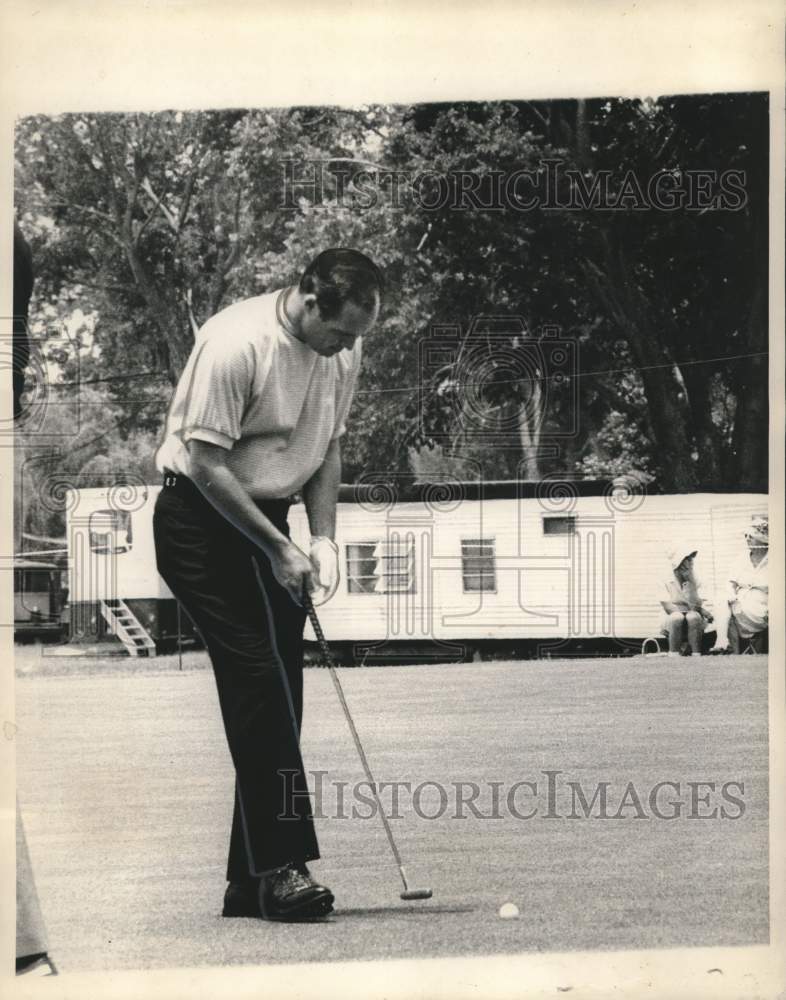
column 590, row 374
column 107, row 378
column 430, row 387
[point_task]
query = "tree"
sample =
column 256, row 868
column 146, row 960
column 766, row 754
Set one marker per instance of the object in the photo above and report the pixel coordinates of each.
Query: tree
column 687, row 288
column 147, row 225
column 93, row 444
column 144, row 225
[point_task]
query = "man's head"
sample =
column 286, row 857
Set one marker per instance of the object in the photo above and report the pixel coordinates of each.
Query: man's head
column 338, row 300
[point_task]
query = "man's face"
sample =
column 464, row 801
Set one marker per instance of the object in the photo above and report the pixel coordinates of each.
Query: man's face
column 329, row 336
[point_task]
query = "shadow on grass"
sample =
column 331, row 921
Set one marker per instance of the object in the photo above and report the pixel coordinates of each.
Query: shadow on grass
column 402, row 911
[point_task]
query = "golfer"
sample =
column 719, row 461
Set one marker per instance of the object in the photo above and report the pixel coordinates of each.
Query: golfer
column 258, row 415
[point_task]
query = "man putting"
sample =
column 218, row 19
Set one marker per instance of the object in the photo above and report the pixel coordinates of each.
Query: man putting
column 256, row 416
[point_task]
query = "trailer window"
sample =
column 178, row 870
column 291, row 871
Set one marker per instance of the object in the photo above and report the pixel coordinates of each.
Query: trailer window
column 478, row 565
column 361, row 568
column 559, row 525
column 110, row 531
column 377, row 567
column 35, row 581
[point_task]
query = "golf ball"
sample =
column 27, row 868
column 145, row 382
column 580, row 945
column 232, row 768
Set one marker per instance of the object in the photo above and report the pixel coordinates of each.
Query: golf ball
column 508, row 911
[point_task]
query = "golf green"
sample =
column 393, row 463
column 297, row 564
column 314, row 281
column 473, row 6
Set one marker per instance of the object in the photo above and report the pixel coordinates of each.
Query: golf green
column 126, row 788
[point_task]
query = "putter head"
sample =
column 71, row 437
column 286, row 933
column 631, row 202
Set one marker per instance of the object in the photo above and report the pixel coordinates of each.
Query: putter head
column 416, row 894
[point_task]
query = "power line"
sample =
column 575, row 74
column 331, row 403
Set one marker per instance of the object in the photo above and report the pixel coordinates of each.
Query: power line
column 590, row 374
column 417, row 388
column 107, row 378
column 86, row 444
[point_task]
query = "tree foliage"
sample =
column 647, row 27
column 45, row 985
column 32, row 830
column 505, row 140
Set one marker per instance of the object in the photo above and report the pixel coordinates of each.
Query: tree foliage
column 144, row 225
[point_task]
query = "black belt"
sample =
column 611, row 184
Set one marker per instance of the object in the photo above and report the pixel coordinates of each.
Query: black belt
column 186, row 487
column 171, row 478
column 179, row 483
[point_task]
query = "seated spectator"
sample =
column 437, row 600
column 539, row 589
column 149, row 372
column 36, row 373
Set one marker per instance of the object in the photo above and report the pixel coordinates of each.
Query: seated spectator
column 686, row 616
column 743, row 604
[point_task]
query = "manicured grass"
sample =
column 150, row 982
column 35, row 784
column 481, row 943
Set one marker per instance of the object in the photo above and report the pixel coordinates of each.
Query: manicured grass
column 126, row 787
column 67, row 660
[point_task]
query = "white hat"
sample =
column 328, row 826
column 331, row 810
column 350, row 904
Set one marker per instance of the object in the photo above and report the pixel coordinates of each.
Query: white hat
column 680, row 553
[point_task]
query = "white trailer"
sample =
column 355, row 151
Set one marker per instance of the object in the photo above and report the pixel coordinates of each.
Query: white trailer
column 114, row 585
column 441, row 568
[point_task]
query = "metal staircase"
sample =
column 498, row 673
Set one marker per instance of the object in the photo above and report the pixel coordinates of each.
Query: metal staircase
column 126, row 626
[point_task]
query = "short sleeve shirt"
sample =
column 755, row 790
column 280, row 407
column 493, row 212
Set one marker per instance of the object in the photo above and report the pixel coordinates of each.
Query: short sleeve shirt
column 253, row 388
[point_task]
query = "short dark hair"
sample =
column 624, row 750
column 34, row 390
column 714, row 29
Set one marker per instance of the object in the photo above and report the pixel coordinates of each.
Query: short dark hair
column 341, row 275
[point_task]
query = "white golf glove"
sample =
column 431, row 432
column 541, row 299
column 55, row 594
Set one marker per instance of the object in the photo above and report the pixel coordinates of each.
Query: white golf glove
column 324, row 556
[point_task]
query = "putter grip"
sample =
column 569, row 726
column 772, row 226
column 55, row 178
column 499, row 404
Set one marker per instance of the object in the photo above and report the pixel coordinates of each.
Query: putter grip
column 324, row 649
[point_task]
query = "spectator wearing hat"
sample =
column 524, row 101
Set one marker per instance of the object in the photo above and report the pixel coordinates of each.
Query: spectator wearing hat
column 743, row 604
column 686, row 616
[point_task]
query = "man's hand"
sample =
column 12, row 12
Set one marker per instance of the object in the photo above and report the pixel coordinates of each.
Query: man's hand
column 293, row 570
column 324, row 556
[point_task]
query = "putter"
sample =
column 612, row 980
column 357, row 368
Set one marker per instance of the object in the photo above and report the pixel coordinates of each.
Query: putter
column 328, row 661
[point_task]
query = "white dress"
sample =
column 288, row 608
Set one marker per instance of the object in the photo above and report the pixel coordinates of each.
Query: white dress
column 751, row 603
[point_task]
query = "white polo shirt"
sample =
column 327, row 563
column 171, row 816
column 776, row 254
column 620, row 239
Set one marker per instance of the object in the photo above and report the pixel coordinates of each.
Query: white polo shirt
column 253, row 388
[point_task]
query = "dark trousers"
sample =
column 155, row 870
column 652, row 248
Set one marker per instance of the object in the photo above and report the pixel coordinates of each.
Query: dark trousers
column 253, row 632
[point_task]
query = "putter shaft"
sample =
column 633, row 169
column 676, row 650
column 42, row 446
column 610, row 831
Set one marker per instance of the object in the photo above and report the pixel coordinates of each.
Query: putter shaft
column 327, row 658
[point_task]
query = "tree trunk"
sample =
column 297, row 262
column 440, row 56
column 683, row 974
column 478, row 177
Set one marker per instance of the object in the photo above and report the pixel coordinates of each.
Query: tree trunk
column 618, row 292
column 708, row 465
column 529, row 432
column 748, row 466
column 166, row 319
column 581, row 133
column 667, row 415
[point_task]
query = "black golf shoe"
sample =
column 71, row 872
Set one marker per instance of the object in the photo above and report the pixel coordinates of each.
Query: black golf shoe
column 290, row 893
column 242, row 899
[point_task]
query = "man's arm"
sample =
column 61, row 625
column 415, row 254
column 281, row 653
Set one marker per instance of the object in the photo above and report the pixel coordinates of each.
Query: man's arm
column 320, row 493
column 221, row 487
